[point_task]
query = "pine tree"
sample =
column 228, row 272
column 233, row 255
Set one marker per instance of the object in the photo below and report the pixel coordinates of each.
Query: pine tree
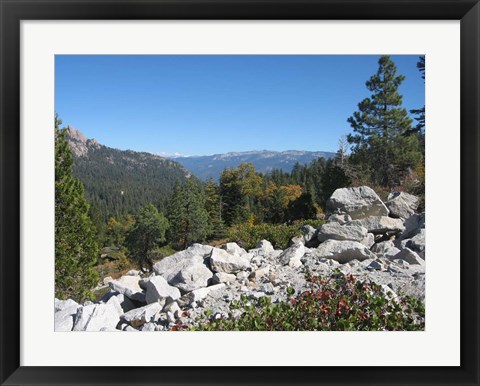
column 188, row 217
column 420, row 113
column 76, row 249
column 147, row 234
column 213, row 206
column 240, row 188
column 382, row 145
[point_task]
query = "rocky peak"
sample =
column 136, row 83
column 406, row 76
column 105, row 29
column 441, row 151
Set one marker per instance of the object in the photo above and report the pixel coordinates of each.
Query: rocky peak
column 79, row 143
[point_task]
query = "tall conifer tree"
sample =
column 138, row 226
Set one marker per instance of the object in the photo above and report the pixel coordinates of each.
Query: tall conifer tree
column 76, row 248
column 187, row 215
column 213, row 206
column 383, row 147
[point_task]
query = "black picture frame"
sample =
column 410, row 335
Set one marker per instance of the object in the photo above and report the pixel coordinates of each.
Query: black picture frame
column 13, row 11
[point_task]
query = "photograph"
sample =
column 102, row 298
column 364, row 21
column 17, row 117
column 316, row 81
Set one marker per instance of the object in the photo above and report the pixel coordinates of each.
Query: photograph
column 239, row 193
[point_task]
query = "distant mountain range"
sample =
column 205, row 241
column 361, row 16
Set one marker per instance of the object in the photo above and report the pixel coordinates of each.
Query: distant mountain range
column 211, row 166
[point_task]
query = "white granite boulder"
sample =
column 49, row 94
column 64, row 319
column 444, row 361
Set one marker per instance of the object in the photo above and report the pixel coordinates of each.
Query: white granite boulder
column 292, row 255
column 380, row 224
column 234, row 249
column 222, row 261
column 358, row 203
column 139, row 316
column 401, row 204
column 65, row 313
column 128, row 286
column 192, row 277
column 97, row 317
column 335, row 231
column 187, row 270
column 263, row 248
column 343, row 251
column 158, row 290
column 409, row 256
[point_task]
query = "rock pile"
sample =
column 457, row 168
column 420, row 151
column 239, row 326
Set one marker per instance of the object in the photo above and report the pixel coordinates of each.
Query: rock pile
column 363, row 236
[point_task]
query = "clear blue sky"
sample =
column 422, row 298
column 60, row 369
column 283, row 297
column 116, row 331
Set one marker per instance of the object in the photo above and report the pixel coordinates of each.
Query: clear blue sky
column 207, row 104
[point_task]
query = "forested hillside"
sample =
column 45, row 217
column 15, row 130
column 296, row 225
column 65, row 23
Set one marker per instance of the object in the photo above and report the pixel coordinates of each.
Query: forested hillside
column 118, row 182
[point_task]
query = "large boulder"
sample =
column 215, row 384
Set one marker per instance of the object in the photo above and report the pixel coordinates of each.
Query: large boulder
column 65, row 313
column 401, row 204
column 409, row 256
column 139, row 316
column 187, row 270
column 343, row 251
column 416, row 243
column 124, row 302
column 158, row 290
column 234, row 249
column 61, row 305
column 222, row 261
column 169, row 266
column 386, row 249
column 358, row 203
column 413, row 224
column 381, row 248
column 128, row 286
column 263, row 248
column 380, row 224
column 292, row 256
column 192, row 277
column 97, row 317
column 335, row 231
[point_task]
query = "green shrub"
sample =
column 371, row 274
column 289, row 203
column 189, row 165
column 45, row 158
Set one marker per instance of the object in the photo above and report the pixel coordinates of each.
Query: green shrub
column 336, row 303
column 279, row 235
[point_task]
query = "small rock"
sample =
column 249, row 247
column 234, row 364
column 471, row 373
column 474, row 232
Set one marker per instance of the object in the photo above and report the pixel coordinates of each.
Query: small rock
column 241, row 276
column 148, row 327
column 259, row 273
column 339, row 218
column 222, row 277
column 268, row 288
column 376, row 265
